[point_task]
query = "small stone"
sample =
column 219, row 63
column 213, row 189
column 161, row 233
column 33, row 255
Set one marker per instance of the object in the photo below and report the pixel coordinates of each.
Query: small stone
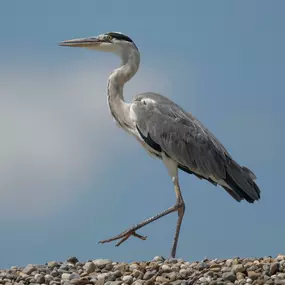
column 29, row 269
column 54, row 273
column 161, row 279
column 214, row 264
column 273, row 268
column 133, row 266
column 240, row 276
column 172, row 276
column 265, row 277
column 121, row 267
column 111, row 277
column 203, row 279
column 149, row 282
column 248, row 280
column 128, row 279
column 216, row 268
column 79, row 281
column 149, row 274
column 109, row 266
column 137, row 274
column 202, row 265
column 172, row 260
column 72, row 260
column 116, row 282
column 266, row 267
column 176, row 282
column 48, row 278
column 101, row 263
column 280, row 257
column 281, row 275
column 100, row 281
column 53, row 264
column 184, row 273
column 235, row 260
column 65, row 267
column 137, row 282
column 166, row 268
column 229, row 262
column 248, row 264
column 53, row 282
column 238, row 268
column 65, row 276
column 253, row 275
column 158, row 259
column 226, row 269
column 252, row 268
column 74, row 276
column 208, row 274
column 229, row 276
column 89, row 267
column 40, row 278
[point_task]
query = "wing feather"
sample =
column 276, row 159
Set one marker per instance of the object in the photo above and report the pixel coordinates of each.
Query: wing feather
column 163, row 124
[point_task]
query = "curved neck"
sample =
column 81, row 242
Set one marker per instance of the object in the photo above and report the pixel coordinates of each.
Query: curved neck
column 118, row 108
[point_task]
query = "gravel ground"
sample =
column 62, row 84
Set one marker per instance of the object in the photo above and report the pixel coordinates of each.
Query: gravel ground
column 266, row 270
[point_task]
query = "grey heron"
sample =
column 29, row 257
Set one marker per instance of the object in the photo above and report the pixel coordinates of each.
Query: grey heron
column 167, row 132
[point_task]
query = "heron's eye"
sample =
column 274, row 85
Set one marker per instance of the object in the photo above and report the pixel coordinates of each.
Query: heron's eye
column 109, row 38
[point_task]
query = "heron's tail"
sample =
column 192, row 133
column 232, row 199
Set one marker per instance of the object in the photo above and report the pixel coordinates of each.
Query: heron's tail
column 241, row 183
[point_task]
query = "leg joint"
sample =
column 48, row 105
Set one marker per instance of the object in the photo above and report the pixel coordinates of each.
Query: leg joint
column 180, row 205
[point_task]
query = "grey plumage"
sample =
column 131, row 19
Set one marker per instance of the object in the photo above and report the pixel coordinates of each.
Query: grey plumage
column 195, row 149
column 168, row 132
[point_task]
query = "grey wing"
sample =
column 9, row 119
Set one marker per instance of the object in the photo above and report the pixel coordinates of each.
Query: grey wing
column 167, row 128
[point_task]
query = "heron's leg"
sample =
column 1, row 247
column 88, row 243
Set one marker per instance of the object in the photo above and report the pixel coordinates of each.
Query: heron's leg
column 132, row 231
column 179, row 207
column 180, row 210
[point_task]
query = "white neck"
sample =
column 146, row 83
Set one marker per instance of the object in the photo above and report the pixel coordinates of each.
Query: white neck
column 118, row 107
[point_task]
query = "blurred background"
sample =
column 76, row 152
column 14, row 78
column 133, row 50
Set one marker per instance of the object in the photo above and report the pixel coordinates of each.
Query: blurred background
column 69, row 177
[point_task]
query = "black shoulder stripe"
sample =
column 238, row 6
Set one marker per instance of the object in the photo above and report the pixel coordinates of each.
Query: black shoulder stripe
column 148, row 140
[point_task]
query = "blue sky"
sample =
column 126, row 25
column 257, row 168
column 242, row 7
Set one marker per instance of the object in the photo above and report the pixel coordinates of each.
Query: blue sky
column 69, row 177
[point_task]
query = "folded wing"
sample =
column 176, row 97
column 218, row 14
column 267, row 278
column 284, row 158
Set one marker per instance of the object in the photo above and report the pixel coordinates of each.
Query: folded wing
column 167, row 128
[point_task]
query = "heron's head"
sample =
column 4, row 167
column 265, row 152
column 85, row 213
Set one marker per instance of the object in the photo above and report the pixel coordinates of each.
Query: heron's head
column 110, row 42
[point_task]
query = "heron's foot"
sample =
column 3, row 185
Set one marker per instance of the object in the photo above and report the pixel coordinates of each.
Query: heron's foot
column 123, row 237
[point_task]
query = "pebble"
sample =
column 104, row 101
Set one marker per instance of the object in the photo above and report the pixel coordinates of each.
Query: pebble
column 128, row 279
column 54, row 273
column 149, row 274
column 29, row 269
column 166, row 268
column 101, row 263
column 229, row 276
column 53, row 264
column 238, row 268
column 79, row 281
column 273, row 268
column 40, row 278
column 133, row 266
column 72, row 260
column 89, row 267
column 158, row 259
column 48, row 278
column 240, row 271
column 253, row 275
column 65, row 276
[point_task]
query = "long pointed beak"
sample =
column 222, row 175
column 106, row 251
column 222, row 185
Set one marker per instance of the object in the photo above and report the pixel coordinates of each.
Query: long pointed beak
column 82, row 42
